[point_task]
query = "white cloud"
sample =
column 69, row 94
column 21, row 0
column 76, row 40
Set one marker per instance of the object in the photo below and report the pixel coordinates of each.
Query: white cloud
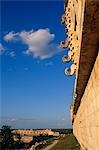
column 49, row 64
column 40, row 43
column 2, row 49
column 10, row 36
column 13, row 120
column 12, row 54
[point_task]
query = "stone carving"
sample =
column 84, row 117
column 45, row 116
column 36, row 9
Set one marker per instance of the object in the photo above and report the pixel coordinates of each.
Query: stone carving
column 70, row 70
column 67, row 59
column 64, row 44
column 63, row 19
column 72, row 40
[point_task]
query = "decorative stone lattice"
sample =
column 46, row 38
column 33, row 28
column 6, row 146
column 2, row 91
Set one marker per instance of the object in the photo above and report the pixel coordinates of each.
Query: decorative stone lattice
column 69, row 19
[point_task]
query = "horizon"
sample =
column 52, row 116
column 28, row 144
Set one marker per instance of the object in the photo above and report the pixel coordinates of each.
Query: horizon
column 38, row 128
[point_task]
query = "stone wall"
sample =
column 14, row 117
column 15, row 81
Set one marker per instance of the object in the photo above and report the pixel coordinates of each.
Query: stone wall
column 86, row 122
column 81, row 20
column 36, row 132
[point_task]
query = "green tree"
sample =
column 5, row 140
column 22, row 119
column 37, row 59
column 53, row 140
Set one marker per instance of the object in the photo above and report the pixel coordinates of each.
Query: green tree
column 6, row 138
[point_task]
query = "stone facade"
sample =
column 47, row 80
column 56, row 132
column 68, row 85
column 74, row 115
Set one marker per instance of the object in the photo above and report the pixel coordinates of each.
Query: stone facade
column 86, row 122
column 81, row 20
column 36, row 132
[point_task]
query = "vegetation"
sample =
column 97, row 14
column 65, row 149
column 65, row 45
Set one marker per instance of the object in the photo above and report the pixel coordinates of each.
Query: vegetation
column 43, row 140
column 63, row 131
column 6, row 139
column 67, row 143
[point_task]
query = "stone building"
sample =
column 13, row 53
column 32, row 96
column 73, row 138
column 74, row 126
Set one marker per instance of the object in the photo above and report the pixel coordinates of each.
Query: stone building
column 36, row 132
column 81, row 20
column 27, row 135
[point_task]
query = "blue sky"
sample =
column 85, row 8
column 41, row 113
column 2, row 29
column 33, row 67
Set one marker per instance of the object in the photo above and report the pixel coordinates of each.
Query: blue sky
column 35, row 92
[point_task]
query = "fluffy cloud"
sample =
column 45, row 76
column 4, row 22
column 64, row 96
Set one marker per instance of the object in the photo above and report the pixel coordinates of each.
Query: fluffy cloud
column 10, row 36
column 40, row 43
column 2, row 48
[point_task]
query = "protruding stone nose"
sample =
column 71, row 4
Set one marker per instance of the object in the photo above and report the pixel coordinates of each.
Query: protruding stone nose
column 64, row 44
column 63, row 19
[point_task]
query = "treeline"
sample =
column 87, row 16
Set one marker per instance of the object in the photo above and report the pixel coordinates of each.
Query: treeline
column 63, row 131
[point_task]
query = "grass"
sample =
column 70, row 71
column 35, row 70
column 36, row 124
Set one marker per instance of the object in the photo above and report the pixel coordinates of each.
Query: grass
column 67, row 143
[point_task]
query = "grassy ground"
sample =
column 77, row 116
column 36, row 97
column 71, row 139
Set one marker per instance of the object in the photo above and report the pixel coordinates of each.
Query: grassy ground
column 67, row 143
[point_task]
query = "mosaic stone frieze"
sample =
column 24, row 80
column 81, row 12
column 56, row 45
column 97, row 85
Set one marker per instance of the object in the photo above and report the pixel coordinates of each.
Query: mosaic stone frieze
column 69, row 19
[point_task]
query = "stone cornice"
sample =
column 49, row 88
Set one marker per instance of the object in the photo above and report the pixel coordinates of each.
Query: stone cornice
column 81, row 20
column 72, row 29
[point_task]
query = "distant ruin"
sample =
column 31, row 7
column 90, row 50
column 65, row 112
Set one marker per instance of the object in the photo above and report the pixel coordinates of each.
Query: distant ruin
column 27, row 135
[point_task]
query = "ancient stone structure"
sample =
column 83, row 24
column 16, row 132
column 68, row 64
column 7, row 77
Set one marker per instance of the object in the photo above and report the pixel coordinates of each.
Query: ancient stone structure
column 81, row 20
column 27, row 135
column 36, row 132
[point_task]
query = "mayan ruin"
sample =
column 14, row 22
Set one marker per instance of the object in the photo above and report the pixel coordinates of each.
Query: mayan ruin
column 81, row 20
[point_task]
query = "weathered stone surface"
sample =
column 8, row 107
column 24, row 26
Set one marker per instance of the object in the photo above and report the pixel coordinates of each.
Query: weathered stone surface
column 81, row 19
column 86, row 122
